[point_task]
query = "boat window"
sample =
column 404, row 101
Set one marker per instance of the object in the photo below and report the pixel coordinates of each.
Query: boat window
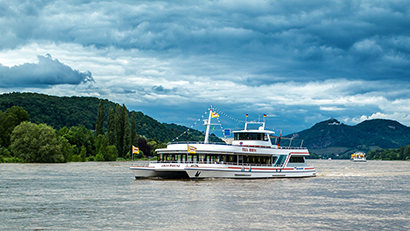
column 232, row 158
column 280, row 160
column 274, row 158
column 257, row 160
column 250, row 136
column 201, row 158
column 297, row 159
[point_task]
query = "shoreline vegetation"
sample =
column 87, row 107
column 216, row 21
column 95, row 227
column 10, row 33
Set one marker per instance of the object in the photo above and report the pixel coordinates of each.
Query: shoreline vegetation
column 25, row 142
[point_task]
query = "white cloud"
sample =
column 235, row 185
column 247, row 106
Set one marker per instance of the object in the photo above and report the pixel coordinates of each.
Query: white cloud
column 403, row 118
column 332, row 108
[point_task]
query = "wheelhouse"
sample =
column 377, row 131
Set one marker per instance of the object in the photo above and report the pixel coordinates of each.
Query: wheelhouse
column 251, row 136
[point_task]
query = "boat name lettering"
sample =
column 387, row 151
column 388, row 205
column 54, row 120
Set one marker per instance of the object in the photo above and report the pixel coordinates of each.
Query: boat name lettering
column 170, row 165
column 296, row 168
column 249, row 149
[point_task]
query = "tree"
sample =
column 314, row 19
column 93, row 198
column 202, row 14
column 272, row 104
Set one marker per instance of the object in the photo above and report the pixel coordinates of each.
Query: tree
column 81, row 136
column 83, row 153
column 406, row 154
column 105, row 152
column 76, row 158
column 36, row 143
column 101, row 144
column 63, row 131
column 99, row 129
column 119, row 130
column 66, row 149
column 401, row 153
column 127, row 132
column 134, row 135
column 99, row 157
column 112, row 153
column 111, row 128
column 8, row 121
column 144, row 146
column 155, row 144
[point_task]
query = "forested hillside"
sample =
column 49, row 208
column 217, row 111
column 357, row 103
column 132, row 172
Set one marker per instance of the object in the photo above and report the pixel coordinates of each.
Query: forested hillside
column 56, row 111
column 59, row 112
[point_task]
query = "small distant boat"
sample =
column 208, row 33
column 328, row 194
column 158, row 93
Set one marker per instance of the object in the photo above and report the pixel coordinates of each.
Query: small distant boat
column 358, row 157
column 251, row 155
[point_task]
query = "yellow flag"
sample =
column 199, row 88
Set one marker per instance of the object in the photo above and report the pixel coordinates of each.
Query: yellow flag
column 191, row 149
column 135, row 149
column 214, row 115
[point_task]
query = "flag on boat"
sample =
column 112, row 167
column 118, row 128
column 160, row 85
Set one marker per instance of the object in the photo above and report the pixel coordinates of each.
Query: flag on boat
column 246, row 115
column 214, row 115
column 264, row 115
column 191, row 149
column 280, row 135
column 135, row 149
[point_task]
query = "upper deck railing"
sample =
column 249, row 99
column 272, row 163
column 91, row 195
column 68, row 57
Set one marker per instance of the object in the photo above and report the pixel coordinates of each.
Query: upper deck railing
column 257, row 146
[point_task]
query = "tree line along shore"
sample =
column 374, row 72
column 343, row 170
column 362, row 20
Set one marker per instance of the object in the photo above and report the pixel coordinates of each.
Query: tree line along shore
column 25, row 142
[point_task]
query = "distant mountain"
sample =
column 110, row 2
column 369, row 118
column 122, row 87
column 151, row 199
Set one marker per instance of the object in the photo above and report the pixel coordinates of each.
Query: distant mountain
column 67, row 112
column 370, row 134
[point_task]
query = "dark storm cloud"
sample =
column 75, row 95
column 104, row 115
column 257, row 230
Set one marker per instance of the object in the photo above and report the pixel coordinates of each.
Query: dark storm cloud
column 299, row 40
column 45, row 73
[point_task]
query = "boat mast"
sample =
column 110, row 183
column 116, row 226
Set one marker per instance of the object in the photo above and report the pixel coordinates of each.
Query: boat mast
column 208, row 124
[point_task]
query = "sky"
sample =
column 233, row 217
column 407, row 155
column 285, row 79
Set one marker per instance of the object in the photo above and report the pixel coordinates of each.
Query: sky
column 299, row 62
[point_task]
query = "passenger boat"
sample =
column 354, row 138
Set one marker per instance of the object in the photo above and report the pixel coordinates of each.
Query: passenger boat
column 251, row 155
column 358, row 157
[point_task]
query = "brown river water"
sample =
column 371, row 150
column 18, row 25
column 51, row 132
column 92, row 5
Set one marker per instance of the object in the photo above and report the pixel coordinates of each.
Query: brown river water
column 105, row 196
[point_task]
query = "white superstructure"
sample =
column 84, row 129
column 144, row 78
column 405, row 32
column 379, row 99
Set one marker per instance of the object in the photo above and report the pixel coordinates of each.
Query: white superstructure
column 252, row 154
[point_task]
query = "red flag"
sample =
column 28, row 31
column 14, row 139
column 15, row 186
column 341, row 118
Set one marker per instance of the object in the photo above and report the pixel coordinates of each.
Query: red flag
column 279, row 138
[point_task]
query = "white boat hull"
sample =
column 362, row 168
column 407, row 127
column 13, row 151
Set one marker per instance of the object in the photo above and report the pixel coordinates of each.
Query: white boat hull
column 249, row 173
column 201, row 171
column 142, row 172
column 158, row 170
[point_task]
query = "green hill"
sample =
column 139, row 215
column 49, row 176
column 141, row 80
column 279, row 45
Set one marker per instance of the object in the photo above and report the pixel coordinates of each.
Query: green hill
column 60, row 112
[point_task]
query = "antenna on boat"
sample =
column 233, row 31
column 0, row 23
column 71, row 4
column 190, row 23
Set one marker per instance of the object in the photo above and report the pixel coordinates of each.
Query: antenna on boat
column 208, row 125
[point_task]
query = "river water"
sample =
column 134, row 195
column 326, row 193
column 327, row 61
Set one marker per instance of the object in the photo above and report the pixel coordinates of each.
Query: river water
column 104, row 195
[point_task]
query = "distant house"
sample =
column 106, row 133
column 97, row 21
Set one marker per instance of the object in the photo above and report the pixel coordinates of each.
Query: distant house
column 334, row 123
